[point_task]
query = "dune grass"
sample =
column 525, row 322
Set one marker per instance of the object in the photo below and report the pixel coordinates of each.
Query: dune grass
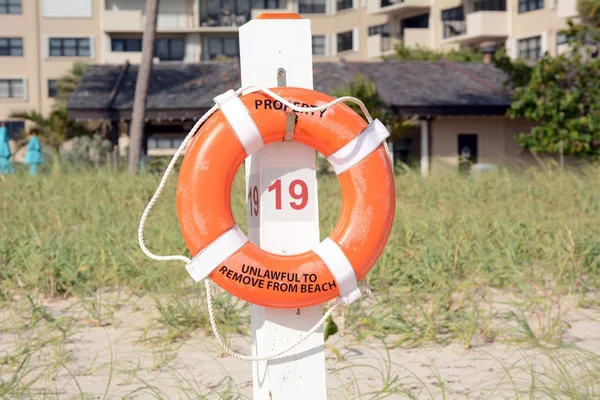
column 499, row 257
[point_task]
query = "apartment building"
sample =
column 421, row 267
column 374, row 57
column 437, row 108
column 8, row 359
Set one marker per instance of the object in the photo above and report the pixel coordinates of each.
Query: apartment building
column 41, row 39
column 527, row 28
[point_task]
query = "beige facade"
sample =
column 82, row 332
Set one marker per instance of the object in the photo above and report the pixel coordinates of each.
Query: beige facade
column 110, row 31
column 493, row 138
column 71, row 26
column 527, row 28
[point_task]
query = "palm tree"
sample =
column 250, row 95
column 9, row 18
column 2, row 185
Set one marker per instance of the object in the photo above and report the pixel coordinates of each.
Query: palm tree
column 55, row 129
column 141, row 88
column 67, row 84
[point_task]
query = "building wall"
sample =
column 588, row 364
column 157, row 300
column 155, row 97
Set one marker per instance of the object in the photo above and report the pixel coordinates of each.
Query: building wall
column 504, row 27
column 38, row 22
column 496, row 142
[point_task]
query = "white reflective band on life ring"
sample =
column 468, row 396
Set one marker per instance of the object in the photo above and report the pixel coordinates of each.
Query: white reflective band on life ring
column 215, row 253
column 337, row 262
column 358, row 148
column 242, row 124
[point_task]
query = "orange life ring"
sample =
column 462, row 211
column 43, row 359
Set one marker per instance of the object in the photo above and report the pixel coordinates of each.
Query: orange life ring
column 204, row 207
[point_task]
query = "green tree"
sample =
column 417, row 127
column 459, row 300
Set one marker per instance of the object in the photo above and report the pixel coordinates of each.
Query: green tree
column 562, row 99
column 366, row 90
column 67, row 84
column 589, row 10
column 420, row 53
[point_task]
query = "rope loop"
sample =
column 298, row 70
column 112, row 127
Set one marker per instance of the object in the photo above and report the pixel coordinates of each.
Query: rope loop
column 161, row 186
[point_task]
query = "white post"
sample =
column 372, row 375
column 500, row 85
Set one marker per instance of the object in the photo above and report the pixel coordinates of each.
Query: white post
column 424, row 147
column 278, row 52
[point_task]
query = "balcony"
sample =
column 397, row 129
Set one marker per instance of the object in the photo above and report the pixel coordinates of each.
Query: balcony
column 567, row 8
column 479, row 27
column 417, row 37
column 122, row 21
column 398, row 8
column 453, row 29
column 134, row 21
column 378, row 45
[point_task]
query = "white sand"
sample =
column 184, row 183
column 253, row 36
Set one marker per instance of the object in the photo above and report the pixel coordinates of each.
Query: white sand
column 112, row 359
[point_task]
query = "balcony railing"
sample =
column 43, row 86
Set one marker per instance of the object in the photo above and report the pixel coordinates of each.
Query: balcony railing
column 454, row 28
column 388, row 43
column 385, row 3
column 489, row 5
column 231, row 20
column 169, row 21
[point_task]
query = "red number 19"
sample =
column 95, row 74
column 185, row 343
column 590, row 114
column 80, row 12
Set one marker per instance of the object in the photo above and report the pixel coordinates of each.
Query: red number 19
column 253, row 200
column 302, row 196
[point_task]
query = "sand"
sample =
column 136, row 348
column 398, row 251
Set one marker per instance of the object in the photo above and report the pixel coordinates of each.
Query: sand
column 120, row 360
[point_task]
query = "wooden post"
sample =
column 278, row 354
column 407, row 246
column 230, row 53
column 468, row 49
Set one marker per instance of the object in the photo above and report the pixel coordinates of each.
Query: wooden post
column 425, row 147
column 278, row 52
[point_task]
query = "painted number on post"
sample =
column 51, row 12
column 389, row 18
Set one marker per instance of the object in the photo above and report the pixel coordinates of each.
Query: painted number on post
column 290, row 195
column 253, row 198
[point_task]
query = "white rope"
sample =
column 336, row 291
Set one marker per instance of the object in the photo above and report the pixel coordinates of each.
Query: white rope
column 161, row 186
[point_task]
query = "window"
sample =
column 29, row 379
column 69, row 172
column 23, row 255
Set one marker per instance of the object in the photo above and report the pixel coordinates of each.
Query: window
column 530, row 5
column 126, row 45
column 345, row 41
column 344, row 4
column 561, row 38
column 312, row 7
column 67, row 8
column 419, row 21
column 10, row 7
column 454, row 22
column 383, row 30
column 164, row 49
column 11, row 46
column 318, row 45
column 489, row 5
column 164, row 142
column 169, row 49
column 70, row 47
column 12, row 89
column 221, row 46
column 52, row 89
column 228, row 12
column 530, row 48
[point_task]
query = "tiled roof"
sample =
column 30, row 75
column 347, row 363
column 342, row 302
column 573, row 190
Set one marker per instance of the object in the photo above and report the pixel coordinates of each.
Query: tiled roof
column 403, row 85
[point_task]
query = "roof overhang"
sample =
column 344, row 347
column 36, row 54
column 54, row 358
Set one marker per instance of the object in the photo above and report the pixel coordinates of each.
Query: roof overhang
column 126, row 114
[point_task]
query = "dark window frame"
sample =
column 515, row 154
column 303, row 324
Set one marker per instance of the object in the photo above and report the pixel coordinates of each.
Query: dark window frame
column 11, row 82
column 58, row 45
column 11, row 48
column 128, row 45
column 11, row 7
column 383, row 30
column 530, row 5
column 531, row 52
column 489, row 5
column 165, row 142
column 210, row 53
column 312, row 6
column 343, row 39
column 344, row 5
column 324, row 45
column 214, row 9
column 169, row 55
column 52, row 89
